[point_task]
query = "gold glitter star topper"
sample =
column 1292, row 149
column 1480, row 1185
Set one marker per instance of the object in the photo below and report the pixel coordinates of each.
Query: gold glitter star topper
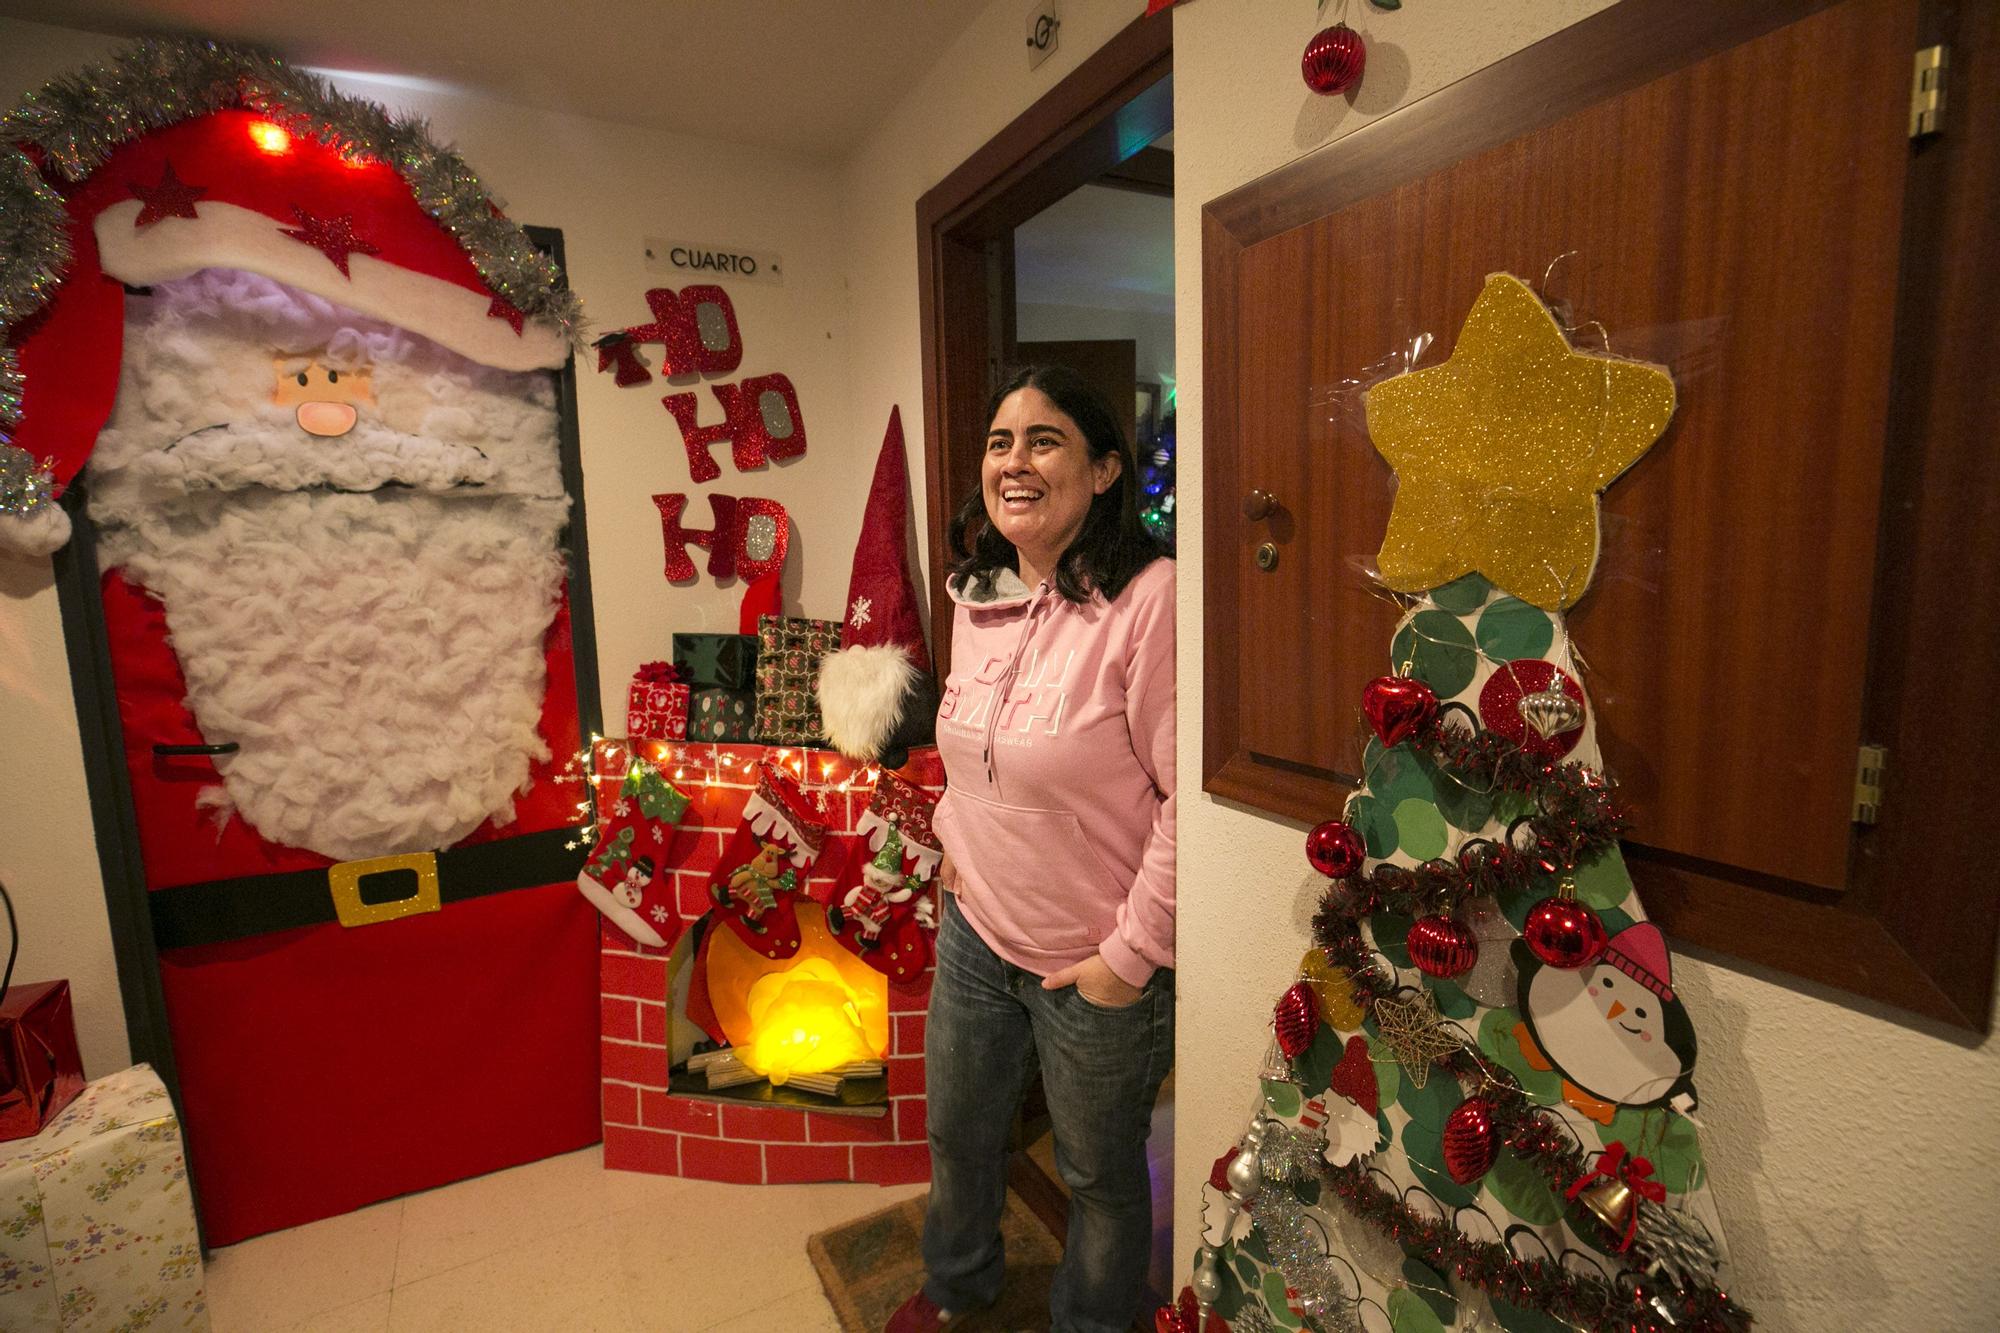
column 1500, row 452
column 1415, row 1031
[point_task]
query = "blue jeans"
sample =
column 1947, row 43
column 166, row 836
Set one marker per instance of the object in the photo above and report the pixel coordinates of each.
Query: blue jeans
column 990, row 1024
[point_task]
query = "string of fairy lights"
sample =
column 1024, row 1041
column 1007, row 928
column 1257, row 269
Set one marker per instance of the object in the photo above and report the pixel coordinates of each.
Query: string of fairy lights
column 699, row 766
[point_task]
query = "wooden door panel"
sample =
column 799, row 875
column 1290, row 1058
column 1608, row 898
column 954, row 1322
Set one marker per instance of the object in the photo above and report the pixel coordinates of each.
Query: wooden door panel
column 1737, row 219
column 1110, row 364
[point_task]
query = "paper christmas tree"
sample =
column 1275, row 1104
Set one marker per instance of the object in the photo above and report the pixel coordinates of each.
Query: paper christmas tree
column 1477, row 1111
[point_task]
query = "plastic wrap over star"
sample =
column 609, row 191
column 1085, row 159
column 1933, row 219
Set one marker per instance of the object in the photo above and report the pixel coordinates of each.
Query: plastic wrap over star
column 1500, row 453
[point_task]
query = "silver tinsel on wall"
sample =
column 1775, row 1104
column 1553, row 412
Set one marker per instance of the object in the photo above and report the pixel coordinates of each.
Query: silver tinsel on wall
column 66, row 130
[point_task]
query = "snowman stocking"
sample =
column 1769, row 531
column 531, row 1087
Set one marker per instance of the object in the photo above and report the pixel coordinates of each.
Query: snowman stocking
column 625, row 877
column 765, row 865
column 883, row 908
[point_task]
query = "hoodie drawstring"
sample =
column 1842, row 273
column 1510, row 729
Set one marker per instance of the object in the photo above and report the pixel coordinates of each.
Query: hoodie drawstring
column 1007, row 682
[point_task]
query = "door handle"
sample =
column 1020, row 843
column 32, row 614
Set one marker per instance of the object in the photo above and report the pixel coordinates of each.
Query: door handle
column 1259, row 505
column 177, row 751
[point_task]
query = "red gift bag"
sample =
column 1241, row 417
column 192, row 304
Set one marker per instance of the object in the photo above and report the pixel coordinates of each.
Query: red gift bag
column 40, row 1069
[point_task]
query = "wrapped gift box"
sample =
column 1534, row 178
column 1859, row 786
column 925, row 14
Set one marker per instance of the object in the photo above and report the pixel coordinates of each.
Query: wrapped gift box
column 657, row 706
column 96, row 1222
column 722, row 715
column 717, row 661
column 789, row 649
column 40, row 1070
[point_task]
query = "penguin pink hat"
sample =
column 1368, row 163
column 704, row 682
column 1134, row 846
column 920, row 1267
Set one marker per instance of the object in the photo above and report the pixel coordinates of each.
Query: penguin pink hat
column 1640, row 952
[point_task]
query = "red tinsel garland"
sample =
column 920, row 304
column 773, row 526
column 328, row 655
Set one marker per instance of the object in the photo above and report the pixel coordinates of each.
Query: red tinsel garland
column 1642, row 1306
column 1577, row 818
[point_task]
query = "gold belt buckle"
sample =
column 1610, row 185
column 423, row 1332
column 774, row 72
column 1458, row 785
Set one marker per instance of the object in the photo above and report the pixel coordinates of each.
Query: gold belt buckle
column 344, row 880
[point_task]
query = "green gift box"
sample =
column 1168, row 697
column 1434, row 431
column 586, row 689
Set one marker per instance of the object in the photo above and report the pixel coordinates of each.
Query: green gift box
column 789, row 649
column 717, row 661
column 722, row 715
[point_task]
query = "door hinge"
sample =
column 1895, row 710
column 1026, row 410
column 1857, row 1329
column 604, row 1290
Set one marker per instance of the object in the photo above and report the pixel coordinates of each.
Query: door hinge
column 1869, row 764
column 1927, row 91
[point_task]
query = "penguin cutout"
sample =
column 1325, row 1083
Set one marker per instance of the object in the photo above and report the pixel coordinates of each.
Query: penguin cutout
column 1614, row 1030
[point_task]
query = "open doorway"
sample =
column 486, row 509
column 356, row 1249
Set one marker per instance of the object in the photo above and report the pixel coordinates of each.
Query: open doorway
column 1094, row 290
column 1054, row 242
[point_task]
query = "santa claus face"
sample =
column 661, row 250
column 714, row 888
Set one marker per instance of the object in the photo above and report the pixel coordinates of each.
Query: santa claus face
column 325, row 400
column 888, row 883
column 361, row 612
column 1605, row 1032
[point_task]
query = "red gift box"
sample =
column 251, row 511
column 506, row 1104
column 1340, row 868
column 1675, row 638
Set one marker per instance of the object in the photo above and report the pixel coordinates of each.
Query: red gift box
column 40, row 1069
column 657, row 706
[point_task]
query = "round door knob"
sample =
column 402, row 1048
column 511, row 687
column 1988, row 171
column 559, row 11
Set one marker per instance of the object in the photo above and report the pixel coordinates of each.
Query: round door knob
column 1259, row 505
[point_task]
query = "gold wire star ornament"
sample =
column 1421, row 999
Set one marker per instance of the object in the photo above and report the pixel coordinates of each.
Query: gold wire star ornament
column 1500, row 452
column 1415, row 1031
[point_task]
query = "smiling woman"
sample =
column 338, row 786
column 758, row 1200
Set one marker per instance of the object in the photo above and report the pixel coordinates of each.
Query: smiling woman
column 1057, row 941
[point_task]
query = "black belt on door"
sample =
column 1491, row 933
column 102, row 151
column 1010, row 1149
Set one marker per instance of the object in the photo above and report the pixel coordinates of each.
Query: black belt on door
column 361, row 893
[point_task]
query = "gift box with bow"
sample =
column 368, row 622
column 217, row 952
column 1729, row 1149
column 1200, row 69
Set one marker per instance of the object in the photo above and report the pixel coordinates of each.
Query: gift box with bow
column 657, row 706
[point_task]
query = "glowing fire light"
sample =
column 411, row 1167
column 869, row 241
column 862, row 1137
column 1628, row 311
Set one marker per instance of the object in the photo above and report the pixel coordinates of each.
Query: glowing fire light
column 819, row 1009
column 270, row 137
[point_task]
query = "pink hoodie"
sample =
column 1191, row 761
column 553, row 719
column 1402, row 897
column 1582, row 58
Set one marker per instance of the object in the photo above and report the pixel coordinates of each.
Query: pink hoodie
column 1057, row 733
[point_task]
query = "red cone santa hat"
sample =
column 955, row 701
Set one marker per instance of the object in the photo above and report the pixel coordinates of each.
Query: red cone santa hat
column 875, row 694
column 225, row 158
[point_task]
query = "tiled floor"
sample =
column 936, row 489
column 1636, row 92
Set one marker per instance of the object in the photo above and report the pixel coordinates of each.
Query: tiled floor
column 562, row 1246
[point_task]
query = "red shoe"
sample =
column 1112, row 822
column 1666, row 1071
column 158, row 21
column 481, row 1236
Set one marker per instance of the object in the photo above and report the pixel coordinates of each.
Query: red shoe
column 919, row 1314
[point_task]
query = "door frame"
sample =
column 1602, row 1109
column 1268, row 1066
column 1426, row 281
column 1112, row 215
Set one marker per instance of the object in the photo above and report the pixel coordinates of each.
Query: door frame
column 79, row 596
column 965, row 257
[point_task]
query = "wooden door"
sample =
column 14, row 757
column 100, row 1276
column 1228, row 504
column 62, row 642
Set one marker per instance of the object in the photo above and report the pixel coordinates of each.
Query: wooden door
column 1715, row 187
column 1110, row 364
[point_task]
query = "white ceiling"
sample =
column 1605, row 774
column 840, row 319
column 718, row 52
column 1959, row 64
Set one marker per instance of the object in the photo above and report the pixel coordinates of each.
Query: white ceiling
column 814, row 76
column 1108, row 248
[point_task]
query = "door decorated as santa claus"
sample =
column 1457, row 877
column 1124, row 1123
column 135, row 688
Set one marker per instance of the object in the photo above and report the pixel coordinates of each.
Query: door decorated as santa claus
column 342, row 622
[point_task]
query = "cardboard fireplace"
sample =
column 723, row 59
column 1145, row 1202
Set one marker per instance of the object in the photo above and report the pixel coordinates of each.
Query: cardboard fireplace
column 766, row 961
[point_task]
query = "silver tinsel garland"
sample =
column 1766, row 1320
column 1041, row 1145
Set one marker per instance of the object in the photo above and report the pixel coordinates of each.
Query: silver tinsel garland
column 24, row 487
column 1291, row 1153
column 73, row 124
column 1314, row 1276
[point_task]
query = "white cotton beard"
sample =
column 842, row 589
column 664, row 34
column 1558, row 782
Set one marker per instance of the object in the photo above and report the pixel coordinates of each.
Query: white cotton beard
column 280, row 457
column 377, row 657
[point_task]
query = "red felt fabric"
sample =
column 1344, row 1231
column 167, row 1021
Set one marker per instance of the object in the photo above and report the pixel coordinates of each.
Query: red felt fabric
column 323, row 1069
column 69, row 355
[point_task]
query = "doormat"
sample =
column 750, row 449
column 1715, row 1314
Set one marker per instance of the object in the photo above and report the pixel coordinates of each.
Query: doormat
column 872, row 1265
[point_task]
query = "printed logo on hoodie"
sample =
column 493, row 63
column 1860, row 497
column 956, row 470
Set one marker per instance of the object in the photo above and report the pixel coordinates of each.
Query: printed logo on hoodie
column 1033, row 707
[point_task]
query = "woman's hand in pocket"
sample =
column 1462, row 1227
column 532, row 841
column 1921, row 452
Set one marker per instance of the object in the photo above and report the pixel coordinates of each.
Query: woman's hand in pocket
column 1096, row 983
column 948, row 874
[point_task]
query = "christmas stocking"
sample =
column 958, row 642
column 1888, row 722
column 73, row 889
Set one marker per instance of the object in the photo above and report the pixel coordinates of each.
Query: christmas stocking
column 882, row 908
column 625, row 877
column 765, row 865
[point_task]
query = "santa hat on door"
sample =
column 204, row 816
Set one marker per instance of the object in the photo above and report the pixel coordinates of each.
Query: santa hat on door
column 876, row 695
column 225, row 158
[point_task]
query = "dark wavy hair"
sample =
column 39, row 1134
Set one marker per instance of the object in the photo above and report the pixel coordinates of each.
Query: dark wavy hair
column 1113, row 545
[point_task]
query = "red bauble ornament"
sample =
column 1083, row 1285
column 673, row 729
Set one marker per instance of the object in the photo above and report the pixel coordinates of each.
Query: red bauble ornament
column 1296, row 1019
column 1470, row 1144
column 1442, row 946
column 1333, row 60
column 1398, row 707
column 1535, row 704
column 1335, row 849
column 1564, row 933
